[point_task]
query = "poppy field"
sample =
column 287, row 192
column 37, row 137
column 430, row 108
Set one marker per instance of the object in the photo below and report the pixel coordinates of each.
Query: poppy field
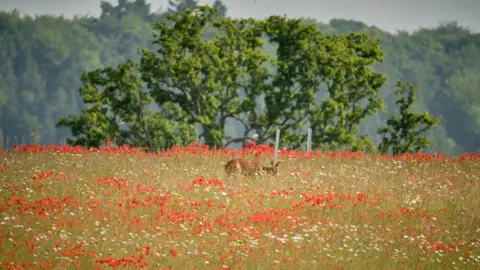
column 64, row 207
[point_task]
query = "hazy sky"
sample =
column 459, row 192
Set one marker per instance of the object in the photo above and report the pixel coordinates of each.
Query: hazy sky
column 389, row 15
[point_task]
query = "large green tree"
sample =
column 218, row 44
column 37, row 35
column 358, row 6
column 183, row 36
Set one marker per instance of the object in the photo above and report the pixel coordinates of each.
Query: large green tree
column 205, row 77
column 307, row 65
column 230, row 76
column 120, row 109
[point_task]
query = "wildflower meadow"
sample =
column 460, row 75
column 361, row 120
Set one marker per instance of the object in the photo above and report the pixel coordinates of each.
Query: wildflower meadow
column 64, row 207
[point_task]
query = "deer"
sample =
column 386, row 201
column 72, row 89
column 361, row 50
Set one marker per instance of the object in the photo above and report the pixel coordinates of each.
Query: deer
column 249, row 168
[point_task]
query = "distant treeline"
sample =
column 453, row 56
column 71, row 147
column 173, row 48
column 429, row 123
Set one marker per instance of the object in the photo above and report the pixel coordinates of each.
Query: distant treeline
column 42, row 60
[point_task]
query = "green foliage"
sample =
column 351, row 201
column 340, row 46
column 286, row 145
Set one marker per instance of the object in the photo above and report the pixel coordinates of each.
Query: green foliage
column 353, row 90
column 305, row 62
column 204, row 76
column 118, row 109
column 226, row 76
column 404, row 130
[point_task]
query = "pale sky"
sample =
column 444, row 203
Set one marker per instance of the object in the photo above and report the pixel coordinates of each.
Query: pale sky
column 389, row 15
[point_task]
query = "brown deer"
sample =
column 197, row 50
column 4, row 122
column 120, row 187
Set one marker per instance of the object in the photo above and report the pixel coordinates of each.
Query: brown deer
column 248, row 168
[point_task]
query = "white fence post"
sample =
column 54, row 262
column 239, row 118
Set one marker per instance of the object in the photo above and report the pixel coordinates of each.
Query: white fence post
column 277, row 144
column 309, row 141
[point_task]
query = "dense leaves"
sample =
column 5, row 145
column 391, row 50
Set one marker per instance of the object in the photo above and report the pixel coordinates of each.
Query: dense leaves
column 122, row 111
column 226, row 77
column 404, row 130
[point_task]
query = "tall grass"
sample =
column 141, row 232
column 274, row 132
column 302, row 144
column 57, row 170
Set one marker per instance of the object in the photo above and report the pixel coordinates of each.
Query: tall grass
column 63, row 207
